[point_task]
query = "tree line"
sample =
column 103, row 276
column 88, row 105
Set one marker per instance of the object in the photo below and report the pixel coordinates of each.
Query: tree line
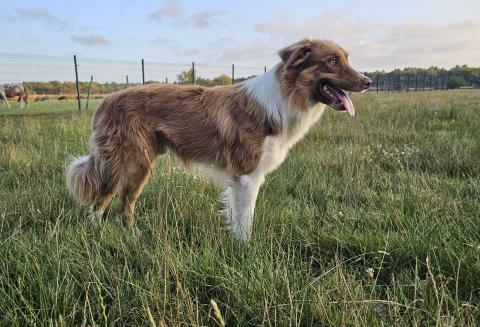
column 56, row 87
column 456, row 77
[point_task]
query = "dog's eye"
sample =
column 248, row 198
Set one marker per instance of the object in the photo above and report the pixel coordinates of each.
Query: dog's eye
column 333, row 61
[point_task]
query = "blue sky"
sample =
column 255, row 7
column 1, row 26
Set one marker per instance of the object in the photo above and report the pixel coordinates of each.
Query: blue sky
column 377, row 34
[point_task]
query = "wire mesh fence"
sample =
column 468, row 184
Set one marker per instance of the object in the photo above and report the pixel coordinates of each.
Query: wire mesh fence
column 45, row 77
column 408, row 82
column 52, row 81
column 158, row 72
column 81, row 83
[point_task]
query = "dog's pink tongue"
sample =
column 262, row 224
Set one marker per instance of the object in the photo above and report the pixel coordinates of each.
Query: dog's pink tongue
column 347, row 103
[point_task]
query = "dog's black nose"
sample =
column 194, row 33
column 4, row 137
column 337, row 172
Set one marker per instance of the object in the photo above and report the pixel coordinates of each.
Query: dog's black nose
column 366, row 82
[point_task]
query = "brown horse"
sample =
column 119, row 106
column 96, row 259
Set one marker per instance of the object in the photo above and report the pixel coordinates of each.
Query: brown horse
column 9, row 91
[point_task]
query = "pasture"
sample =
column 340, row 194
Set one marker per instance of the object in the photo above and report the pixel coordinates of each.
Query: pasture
column 372, row 220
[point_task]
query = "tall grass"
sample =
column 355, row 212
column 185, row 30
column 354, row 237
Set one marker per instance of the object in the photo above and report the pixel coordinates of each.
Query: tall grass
column 370, row 221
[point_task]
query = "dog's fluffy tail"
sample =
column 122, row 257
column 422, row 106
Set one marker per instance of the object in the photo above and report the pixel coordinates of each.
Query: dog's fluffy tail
column 86, row 177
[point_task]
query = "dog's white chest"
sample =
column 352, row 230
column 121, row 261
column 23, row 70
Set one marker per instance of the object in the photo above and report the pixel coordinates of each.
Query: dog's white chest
column 275, row 148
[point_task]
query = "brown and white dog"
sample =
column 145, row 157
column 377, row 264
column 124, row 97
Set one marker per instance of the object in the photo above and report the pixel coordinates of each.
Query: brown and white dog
column 244, row 130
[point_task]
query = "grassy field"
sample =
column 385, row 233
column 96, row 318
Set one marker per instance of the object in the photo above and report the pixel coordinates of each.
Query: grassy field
column 370, row 221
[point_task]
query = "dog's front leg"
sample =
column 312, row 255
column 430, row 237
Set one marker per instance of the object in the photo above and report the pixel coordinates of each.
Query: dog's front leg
column 239, row 204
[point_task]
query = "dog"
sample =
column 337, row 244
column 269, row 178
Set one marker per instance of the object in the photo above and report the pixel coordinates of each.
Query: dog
column 244, row 130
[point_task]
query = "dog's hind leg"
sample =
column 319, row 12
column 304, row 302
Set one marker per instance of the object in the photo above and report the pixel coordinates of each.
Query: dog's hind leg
column 100, row 204
column 130, row 192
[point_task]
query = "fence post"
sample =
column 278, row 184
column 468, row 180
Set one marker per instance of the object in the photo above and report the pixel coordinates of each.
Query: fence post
column 143, row 71
column 90, row 92
column 408, row 81
column 265, row 69
column 377, row 82
column 416, row 82
column 76, row 81
column 233, row 74
column 126, row 79
column 193, row 72
column 424, row 80
column 166, row 80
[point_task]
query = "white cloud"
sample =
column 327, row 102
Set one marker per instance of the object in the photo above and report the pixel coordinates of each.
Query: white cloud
column 205, row 18
column 172, row 12
column 170, row 9
column 91, row 39
column 421, row 45
column 381, row 46
column 38, row 14
column 319, row 26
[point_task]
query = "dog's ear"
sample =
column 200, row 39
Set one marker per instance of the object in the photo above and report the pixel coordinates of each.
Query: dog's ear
column 296, row 53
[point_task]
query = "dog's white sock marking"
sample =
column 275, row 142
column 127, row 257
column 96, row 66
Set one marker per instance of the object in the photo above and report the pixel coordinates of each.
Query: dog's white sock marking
column 96, row 216
column 239, row 200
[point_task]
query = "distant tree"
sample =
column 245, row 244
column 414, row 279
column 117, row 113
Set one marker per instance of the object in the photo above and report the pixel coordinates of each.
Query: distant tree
column 242, row 79
column 185, row 77
column 222, row 80
column 457, row 81
column 458, row 76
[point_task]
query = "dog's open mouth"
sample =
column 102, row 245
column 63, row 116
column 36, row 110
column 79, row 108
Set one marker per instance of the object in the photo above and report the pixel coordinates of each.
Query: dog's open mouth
column 338, row 99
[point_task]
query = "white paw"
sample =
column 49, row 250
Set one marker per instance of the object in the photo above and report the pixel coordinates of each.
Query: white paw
column 240, row 232
column 96, row 217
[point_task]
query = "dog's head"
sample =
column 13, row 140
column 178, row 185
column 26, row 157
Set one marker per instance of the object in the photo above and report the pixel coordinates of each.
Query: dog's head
column 321, row 70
